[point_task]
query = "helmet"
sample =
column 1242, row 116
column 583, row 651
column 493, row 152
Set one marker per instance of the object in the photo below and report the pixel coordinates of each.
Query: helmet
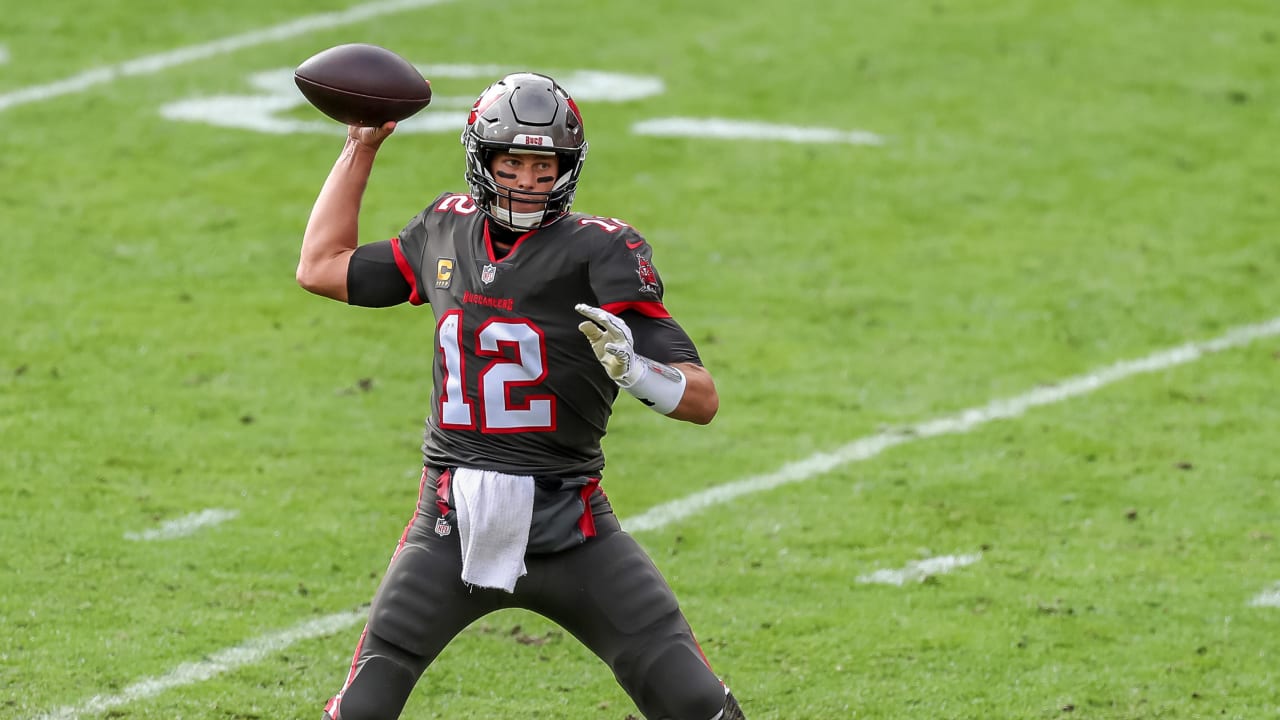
column 524, row 112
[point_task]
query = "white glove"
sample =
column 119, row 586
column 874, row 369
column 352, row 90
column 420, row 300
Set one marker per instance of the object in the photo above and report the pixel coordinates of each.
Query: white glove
column 612, row 342
column 658, row 386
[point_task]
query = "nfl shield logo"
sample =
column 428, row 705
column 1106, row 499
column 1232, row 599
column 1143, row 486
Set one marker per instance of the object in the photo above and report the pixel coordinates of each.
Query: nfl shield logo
column 487, row 274
column 443, row 527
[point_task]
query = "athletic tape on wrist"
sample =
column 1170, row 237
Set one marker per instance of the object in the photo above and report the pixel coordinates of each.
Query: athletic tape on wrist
column 659, row 386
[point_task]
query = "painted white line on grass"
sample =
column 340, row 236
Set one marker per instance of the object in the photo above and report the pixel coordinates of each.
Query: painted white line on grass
column 150, row 64
column 919, row 570
column 251, row 652
column 4, row 54
column 660, row 516
column 1267, row 598
column 726, row 129
column 963, row 421
column 184, row 525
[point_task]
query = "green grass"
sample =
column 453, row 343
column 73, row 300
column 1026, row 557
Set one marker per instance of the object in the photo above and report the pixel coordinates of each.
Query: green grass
column 1063, row 186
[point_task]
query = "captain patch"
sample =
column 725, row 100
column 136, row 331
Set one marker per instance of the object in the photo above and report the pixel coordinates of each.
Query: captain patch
column 444, row 272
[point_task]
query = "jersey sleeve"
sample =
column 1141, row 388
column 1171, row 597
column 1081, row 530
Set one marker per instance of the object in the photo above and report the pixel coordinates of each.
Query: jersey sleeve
column 409, row 248
column 661, row 339
column 623, row 276
column 375, row 278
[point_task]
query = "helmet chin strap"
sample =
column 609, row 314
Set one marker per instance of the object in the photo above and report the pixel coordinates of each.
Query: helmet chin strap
column 515, row 220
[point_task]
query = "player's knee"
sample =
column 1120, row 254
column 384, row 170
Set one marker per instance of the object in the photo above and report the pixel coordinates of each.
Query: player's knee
column 731, row 709
column 678, row 685
column 378, row 691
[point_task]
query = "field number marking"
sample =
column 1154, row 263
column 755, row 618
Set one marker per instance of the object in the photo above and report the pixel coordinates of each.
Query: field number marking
column 662, row 515
column 264, row 112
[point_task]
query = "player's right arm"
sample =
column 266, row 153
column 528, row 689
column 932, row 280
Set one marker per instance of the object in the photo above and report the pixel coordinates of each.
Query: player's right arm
column 332, row 232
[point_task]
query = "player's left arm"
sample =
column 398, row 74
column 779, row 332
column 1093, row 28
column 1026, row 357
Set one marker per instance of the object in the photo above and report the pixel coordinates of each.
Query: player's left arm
column 654, row 360
column 700, row 401
column 663, row 340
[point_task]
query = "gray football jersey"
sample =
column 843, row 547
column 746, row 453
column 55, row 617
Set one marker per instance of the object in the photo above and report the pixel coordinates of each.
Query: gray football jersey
column 516, row 386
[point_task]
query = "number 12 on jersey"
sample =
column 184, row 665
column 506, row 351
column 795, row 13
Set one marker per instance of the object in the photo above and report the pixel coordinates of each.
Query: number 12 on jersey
column 523, row 365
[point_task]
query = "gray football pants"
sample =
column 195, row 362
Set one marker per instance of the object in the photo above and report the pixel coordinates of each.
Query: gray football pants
column 606, row 592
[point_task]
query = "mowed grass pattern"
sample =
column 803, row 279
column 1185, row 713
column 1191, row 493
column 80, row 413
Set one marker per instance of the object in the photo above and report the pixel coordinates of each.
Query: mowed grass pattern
column 1062, row 186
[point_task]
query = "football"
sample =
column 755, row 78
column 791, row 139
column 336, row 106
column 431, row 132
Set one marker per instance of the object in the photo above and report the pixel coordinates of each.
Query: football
column 360, row 84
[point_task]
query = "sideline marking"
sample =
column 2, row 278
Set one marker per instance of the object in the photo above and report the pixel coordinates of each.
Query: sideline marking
column 149, row 64
column 1267, row 598
column 919, row 570
column 184, row 525
column 660, row 516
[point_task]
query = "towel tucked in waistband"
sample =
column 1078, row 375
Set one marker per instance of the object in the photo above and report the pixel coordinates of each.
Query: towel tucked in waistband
column 494, row 514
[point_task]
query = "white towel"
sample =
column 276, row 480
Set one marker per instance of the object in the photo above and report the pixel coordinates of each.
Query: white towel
column 494, row 512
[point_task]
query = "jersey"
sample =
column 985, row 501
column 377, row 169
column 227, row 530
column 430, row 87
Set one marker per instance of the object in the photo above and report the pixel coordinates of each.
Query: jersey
column 516, row 387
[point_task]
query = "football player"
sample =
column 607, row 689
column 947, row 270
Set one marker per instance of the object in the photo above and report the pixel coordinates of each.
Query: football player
column 541, row 316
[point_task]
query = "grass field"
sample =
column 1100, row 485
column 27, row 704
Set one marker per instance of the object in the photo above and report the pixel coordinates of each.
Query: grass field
column 925, row 209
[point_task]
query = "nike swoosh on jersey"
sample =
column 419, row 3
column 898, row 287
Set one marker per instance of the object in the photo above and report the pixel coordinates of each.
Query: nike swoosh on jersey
column 634, row 245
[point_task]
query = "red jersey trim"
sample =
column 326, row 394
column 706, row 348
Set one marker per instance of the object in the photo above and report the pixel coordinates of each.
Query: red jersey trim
column 587, row 523
column 335, row 702
column 654, row 310
column 406, row 270
column 442, row 490
column 488, row 243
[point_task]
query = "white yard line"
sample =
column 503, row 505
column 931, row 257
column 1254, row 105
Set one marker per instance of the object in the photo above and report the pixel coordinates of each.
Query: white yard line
column 728, row 129
column 150, row 64
column 253, row 651
column 660, row 516
column 184, row 525
column 1267, row 598
column 919, row 570
column 963, row 421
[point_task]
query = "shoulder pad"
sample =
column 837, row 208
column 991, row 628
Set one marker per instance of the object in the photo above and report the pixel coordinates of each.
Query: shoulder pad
column 597, row 224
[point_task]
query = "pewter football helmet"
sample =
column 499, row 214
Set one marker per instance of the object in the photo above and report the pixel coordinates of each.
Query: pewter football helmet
column 524, row 113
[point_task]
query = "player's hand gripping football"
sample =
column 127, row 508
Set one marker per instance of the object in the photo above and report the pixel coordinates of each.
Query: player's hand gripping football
column 611, row 340
column 370, row 137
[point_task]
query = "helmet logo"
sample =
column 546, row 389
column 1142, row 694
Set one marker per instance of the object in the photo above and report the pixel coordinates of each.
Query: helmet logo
column 540, row 140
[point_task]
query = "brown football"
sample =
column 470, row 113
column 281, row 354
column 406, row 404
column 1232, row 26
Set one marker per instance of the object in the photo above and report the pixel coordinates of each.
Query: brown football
column 360, row 84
